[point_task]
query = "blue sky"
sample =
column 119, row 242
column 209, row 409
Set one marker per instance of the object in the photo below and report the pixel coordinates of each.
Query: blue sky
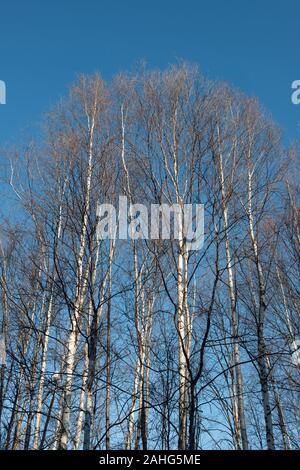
column 43, row 45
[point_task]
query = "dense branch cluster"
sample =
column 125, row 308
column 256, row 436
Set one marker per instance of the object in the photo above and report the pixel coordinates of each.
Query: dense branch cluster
column 144, row 343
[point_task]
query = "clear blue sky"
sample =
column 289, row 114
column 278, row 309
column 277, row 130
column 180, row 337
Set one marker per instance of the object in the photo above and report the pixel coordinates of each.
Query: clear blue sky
column 255, row 45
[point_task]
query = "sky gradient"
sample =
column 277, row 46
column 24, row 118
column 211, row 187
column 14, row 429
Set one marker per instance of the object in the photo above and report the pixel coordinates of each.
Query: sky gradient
column 44, row 45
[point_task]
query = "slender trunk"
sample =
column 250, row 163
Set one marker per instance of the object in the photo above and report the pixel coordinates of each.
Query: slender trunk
column 44, row 433
column 181, row 329
column 42, row 375
column 280, row 411
column 46, row 336
column 238, row 400
column 71, row 347
column 262, row 353
column 108, row 360
column 81, row 400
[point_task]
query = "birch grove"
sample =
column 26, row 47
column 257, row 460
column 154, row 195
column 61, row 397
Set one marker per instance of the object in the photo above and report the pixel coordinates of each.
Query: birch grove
column 146, row 343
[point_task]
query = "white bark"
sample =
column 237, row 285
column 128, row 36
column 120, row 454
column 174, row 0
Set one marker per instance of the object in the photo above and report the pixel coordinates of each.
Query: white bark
column 238, row 400
column 80, row 288
column 262, row 353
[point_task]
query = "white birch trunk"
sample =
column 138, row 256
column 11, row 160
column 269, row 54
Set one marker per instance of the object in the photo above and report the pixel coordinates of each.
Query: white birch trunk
column 262, row 366
column 71, row 347
column 238, row 400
